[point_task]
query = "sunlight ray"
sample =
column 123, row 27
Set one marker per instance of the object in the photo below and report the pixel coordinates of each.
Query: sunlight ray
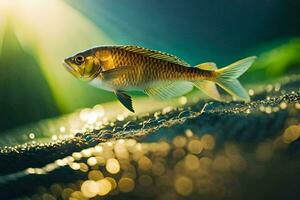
column 52, row 29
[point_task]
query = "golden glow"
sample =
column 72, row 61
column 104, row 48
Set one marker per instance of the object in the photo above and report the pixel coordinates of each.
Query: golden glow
column 144, row 163
column 31, row 136
column 195, row 146
column 95, row 175
column 179, row 141
column 191, row 162
column 126, row 184
column 183, row 186
column 291, row 134
column 84, row 167
column 208, row 141
column 182, row 100
column 187, row 166
column 112, row 166
column 52, row 30
column 158, row 168
column 75, row 166
column 112, row 182
column 92, row 161
column 77, row 155
column 89, row 188
column 104, row 186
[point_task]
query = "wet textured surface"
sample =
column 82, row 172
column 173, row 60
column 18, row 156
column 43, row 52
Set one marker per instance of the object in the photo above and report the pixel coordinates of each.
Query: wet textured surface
column 200, row 150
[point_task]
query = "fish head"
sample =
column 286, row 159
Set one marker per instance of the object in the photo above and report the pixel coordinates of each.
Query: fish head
column 84, row 65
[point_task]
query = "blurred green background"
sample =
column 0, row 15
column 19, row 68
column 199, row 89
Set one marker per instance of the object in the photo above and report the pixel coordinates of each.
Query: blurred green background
column 35, row 36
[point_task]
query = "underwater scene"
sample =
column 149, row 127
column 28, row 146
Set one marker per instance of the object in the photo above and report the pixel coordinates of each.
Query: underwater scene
column 161, row 99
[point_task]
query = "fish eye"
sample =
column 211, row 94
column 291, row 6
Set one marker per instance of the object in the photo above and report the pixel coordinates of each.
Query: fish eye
column 79, row 59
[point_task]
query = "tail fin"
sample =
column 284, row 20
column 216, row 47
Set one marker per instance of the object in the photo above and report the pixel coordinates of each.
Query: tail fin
column 226, row 78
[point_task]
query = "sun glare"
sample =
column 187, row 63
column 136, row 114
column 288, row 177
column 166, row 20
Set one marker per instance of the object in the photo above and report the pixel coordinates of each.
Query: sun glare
column 52, row 30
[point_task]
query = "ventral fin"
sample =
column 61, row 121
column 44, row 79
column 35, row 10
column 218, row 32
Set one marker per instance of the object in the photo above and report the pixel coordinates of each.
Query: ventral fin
column 209, row 88
column 169, row 90
column 207, row 66
column 124, row 99
column 155, row 54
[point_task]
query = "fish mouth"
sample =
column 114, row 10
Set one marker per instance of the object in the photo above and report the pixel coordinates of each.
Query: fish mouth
column 71, row 69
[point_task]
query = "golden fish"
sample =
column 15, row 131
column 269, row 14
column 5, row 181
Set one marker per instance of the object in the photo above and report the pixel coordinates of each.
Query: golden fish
column 161, row 75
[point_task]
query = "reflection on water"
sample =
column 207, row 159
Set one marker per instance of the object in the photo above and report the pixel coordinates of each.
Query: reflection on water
column 87, row 119
column 187, row 165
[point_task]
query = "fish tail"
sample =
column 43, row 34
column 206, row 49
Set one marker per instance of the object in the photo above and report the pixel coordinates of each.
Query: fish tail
column 227, row 78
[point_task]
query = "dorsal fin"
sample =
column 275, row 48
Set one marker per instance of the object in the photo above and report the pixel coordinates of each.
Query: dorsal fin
column 207, row 66
column 155, row 54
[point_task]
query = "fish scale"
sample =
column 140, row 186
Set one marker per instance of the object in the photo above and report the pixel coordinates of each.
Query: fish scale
column 154, row 69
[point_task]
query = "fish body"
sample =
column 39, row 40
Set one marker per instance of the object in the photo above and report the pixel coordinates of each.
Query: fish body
column 124, row 68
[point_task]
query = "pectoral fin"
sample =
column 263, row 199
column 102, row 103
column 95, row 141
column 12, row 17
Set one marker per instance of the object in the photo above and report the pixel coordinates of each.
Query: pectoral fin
column 124, row 99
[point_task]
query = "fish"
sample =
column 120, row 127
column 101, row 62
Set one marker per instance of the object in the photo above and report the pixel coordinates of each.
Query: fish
column 161, row 75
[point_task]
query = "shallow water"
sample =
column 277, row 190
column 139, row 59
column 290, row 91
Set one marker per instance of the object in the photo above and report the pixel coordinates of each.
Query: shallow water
column 200, row 149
